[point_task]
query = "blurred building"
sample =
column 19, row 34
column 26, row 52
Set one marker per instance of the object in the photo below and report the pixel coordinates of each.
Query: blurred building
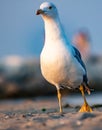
column 81, row 41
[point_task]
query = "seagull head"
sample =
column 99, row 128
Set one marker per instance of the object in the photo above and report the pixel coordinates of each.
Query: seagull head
column 48, row 10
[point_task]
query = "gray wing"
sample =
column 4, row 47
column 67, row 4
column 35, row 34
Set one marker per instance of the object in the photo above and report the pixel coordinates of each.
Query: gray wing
column 77, row 55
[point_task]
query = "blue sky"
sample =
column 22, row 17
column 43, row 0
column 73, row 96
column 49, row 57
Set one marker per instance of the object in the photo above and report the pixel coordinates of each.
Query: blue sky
column 22, row 32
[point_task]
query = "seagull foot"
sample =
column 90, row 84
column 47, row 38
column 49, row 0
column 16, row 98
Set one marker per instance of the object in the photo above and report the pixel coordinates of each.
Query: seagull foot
column 85, row 108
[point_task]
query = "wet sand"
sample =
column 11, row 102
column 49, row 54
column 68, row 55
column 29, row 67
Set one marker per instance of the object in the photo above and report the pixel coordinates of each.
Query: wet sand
column 42, row 114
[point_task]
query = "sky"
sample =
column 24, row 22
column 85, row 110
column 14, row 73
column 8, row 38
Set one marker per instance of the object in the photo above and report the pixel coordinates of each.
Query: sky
column 22, row 32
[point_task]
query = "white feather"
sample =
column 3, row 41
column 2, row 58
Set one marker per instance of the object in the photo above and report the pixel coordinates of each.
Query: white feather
column 58, row 65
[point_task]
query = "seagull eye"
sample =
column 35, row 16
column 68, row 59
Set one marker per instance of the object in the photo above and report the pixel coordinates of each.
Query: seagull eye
column 50, row 7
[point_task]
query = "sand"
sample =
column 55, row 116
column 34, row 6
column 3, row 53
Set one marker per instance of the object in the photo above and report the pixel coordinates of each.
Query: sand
column 42, row 114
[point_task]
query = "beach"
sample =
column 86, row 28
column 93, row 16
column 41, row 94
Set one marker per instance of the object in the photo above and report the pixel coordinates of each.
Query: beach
column 42, row 113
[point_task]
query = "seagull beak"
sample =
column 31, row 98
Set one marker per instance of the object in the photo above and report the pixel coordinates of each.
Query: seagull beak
column 39, row 11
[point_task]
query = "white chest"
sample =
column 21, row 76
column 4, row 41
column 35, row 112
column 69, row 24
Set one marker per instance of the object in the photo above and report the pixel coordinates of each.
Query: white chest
column 57, row 65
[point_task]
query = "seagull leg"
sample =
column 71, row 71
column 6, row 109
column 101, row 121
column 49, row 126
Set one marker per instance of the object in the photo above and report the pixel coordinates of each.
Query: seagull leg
column 85, row 107
column 59, row 99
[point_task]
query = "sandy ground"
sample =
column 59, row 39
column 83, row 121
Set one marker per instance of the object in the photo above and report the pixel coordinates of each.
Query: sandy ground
column 42, row 114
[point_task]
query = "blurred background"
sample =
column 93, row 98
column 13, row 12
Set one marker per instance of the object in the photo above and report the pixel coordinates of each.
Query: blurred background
column 22, row 38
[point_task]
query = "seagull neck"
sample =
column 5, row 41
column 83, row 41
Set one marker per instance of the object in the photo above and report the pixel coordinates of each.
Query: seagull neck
column 53, row 29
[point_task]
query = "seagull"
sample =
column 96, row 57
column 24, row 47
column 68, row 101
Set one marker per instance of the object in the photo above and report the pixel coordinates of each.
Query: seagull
column 61, row 63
